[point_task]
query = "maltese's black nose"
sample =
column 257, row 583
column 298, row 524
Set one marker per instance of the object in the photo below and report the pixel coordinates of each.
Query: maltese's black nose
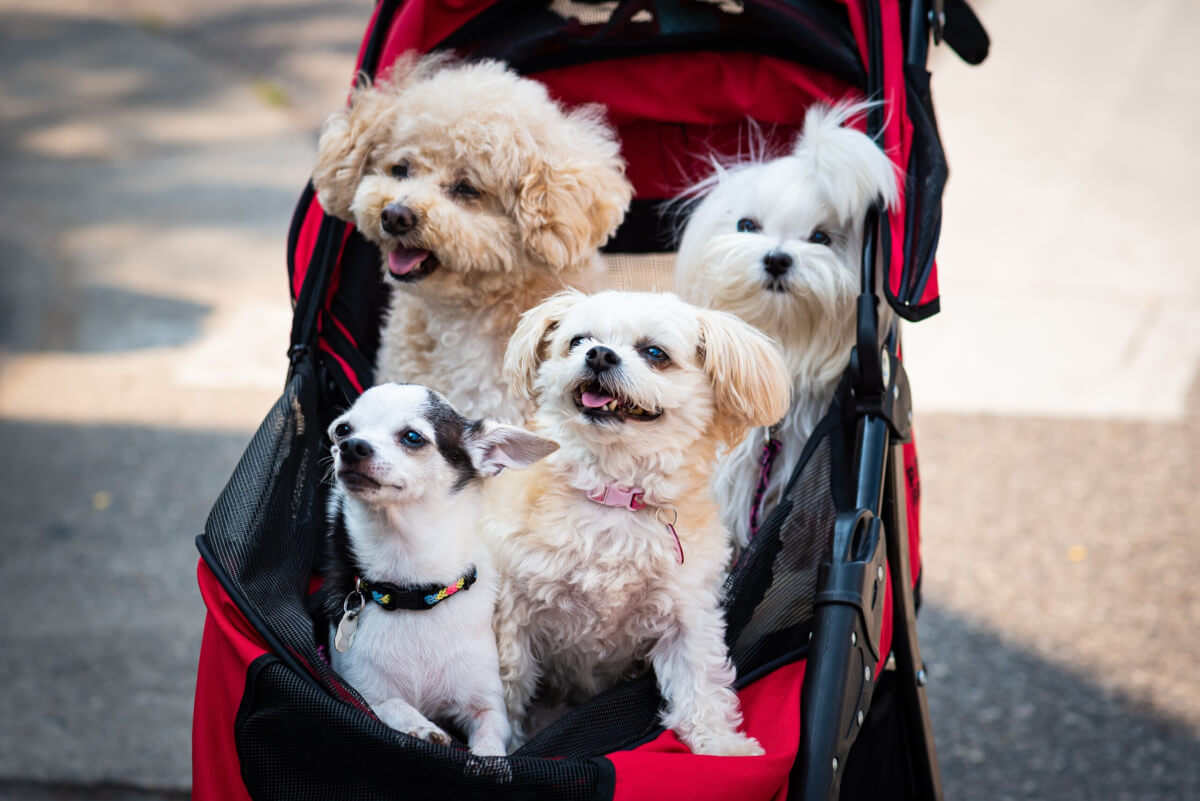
column 355, row 450
column 601, row 358
column 777, row 262
column 397, row 219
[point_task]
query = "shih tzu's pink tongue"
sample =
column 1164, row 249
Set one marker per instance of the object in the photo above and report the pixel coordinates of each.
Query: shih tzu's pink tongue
column 594, row 401
column 403, row 262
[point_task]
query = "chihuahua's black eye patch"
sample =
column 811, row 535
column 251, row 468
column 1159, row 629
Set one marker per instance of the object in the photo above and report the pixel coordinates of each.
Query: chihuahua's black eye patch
column 400, row 170
column 748, row 225
column 342, row 430
column 412, row 439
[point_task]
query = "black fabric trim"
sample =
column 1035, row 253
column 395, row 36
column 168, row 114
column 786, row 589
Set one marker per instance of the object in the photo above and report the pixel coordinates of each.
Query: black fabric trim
column 647, row 228
column 277, row 648
column 606, row 784
column 533, row 39
column 293, row 240
column 378, row 38
column 413, row 596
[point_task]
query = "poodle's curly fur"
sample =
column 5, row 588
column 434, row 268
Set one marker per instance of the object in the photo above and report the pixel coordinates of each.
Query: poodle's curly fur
column 506, row 198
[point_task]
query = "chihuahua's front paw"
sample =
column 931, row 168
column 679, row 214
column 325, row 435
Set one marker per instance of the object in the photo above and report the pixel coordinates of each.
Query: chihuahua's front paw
column 724, row 744
column 401, row 716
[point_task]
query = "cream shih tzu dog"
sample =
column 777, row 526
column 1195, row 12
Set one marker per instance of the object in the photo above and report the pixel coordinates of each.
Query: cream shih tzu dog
column 778, row 242
column 611, row 550
column 485, row 197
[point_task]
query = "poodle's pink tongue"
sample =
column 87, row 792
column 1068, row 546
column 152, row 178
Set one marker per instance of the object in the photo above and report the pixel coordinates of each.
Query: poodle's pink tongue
column 594, row 401
column 403, row 262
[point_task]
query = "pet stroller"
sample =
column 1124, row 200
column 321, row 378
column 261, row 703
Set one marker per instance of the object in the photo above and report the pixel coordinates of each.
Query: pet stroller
column 820, row 607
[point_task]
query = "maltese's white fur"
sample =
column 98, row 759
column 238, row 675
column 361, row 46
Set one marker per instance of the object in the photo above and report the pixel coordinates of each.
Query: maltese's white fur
column 405, row 519
column 778, row 242
column 485, row 197
column 639, row 390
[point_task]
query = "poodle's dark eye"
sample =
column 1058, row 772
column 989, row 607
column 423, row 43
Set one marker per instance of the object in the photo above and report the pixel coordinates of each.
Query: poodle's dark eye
column 342, row 430
column 747, row 225
column 576, row 340
column 820, row 238
column 655, row 354
column 400, row 170
column 464, row 189
column 412, row 439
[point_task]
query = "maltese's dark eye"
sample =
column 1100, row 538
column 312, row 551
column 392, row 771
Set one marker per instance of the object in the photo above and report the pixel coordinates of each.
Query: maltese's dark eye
column 412, row 439
column 576, row 340
column 342, row 430
column 747, row 225
column 820, row 238
column 400, row 170
column 655, row 354
column 464, row 189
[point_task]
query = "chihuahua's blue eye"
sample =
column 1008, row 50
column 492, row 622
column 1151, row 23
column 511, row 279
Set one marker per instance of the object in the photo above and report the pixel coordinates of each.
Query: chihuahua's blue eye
column 400, row 170
column 342, row 430
column 412, row 439
column 576, row 340
column 747, row 225
column 655, row 354
column 820, row 238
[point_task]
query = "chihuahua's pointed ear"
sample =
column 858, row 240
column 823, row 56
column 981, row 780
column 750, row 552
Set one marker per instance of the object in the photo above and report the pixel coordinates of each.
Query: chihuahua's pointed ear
column 851, row 170
column 749, row 378
column 348, row 136
column 527, row 347
column 494, row 446
column 574, row 193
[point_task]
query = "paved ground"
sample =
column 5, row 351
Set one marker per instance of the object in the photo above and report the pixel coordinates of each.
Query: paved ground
column 151, row 154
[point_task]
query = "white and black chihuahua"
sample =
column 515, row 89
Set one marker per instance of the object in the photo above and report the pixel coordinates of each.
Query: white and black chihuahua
column 409, row 582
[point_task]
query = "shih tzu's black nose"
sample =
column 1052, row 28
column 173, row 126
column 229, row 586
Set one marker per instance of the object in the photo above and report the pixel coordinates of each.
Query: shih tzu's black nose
column 601, row 358
column 398, row 219
column 777, row 262
column 355, row 450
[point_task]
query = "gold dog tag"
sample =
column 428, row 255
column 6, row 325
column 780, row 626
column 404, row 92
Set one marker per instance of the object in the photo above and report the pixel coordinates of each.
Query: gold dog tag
column 345, row 632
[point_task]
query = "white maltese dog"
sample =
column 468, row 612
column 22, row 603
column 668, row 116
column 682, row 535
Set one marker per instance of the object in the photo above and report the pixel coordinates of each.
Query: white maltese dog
column 611, row 551
column 485, row 197
column 409, row 580
column 778, row 243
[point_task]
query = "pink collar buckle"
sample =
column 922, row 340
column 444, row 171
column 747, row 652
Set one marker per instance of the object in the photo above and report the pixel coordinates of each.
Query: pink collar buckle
column 630, row 498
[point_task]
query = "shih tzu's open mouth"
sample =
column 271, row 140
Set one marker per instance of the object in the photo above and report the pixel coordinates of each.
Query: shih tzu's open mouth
column 598, row 403
column 409, row 264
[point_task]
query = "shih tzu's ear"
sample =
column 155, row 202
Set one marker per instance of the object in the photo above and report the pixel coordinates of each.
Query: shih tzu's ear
column 749, row 378
column 349, row 136
column 851, row 170
column 575, row 193
column 527, row 347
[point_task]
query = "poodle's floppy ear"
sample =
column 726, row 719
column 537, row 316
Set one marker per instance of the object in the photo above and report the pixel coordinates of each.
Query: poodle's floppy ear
column 527, row 348
column 349, row 135
column 749, row 378
column 575, row 193
column 851, row 170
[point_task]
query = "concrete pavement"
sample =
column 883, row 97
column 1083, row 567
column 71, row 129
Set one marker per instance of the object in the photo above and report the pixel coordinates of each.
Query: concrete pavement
column 151, row 154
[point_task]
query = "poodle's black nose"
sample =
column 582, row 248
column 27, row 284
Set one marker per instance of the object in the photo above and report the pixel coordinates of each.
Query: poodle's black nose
column 398, row 219
column 601, row 358
column 355, row 450
column 777, row 262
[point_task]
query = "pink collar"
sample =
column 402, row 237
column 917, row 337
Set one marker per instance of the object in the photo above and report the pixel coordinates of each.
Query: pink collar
column 633, row 499
column 630, row 498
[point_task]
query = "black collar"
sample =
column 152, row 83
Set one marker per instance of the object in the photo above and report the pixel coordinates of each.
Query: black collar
column 413, row 596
